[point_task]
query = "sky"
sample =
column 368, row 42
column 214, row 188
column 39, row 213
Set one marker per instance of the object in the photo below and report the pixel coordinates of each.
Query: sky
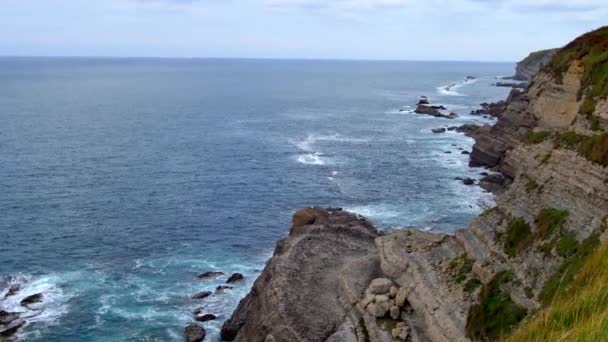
column 467, row 30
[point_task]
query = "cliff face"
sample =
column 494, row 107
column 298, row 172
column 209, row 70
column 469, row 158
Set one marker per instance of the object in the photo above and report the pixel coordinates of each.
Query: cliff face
column 530, row 66
column 335, row 278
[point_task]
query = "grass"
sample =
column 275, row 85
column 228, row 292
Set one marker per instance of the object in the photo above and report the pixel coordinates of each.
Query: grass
column 548, row 221
column 591, row 50
column 562, row 279
column 495, row 314
column 517, row 237
column 593, row 147
column 580, row 312
column 533, row 138
column 531, row 185
column 460, row 267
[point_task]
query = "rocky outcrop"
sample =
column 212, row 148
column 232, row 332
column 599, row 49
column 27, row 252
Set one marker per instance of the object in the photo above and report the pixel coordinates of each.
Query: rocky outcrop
column 308, row 289
column 531, row 65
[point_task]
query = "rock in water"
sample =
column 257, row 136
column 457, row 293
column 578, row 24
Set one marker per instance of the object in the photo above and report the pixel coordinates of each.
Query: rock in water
column 234, row 278
column 194, row 333
column 201, row 295
column 317, row 260
column 438, row 130
column 205, row 317
column 32, row 299
column 210, row 274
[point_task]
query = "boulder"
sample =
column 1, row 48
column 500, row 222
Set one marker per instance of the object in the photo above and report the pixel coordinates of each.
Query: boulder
column 222, row 288
column 194, row 333
column 201, row 295
column 401, row 331
column 380, row 286
column 31, row 299
column 376, row 310
column 205, row 317
column 401, row 297
column 210, row 274
column 392, row 292
column 234, row 278
column 468, row 181
column 438, row 130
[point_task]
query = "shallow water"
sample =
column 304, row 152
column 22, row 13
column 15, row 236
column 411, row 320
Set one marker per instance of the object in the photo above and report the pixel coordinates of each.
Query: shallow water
column 122, row 179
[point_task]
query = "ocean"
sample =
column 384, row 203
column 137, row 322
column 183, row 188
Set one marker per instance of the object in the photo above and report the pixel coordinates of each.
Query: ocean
column 122, row 179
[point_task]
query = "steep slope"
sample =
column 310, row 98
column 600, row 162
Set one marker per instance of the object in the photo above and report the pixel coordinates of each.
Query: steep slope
column 531, row 65
column 323, row 283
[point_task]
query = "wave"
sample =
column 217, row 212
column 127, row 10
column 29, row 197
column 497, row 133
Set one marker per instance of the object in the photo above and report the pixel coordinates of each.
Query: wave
column 452, row 88
column 54, row 303
column 311, row 159
column 311, row 139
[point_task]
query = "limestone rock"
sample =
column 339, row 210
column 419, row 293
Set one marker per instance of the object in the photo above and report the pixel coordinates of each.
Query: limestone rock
column 392, row 292
column 380, row 286
column 401, row 297
column 394, row 312
column 377, row 310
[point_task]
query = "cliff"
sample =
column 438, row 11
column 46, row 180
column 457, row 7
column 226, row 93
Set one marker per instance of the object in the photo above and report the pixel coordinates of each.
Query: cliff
column 335, row 278
column 531, row 65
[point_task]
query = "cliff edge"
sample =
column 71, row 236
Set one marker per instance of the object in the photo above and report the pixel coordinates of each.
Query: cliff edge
column 336, row 278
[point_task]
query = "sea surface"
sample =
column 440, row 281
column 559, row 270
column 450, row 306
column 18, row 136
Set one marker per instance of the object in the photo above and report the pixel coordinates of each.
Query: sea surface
column 122, row 179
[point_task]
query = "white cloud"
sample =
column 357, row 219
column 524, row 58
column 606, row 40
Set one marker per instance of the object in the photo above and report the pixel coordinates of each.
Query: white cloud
column 349, row 5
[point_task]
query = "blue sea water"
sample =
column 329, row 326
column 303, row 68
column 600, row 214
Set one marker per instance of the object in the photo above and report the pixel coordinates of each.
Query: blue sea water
column 121, row 179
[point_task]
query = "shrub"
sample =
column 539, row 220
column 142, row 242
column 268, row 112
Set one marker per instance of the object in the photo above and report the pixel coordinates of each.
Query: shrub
column 496, row 314
column 548, row 221
column 517, row 236
column 536, row 137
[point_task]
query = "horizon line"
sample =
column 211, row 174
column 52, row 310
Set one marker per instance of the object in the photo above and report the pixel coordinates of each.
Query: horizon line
column 253, row 58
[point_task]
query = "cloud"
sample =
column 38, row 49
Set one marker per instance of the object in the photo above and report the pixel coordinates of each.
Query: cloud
column 347, row 5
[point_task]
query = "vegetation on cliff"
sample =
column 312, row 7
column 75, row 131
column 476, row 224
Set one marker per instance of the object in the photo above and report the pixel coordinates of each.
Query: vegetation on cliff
column 579, row 310
column 591, row 51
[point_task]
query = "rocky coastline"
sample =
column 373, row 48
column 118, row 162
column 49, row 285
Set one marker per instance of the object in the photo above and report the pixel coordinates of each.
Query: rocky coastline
column 337, row 278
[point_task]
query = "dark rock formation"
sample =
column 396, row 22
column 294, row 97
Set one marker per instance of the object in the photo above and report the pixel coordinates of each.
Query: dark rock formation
column 194, row 333
column 491, row 109
column 436, row 111
column 468, row 181
column 201, row 295
column 438, row 130
column 32, row 299
column 234, row 278
column 205, row 317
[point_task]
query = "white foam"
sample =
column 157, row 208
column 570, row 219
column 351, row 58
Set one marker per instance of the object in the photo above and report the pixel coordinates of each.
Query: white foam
column 452, row 88
column 310, row 159
column 375, row 211
column 311, row 139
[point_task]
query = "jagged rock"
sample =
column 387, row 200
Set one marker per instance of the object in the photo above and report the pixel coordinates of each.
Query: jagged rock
column 234, row 278
column 530, row 66
column 194, row 333
column 11, row 328
column 380, row 286
column 210, row 274
column 401, row 297
column 394, row 312
column 205, row 317
column 491, row 109
column 31, row 299
column 392, row 292
column 377, row 310
column 423, row 101
column 307, row 289
column 401, row 331
column 201, row 295
column 12, row 290
column 468, row 130
column 7, row 317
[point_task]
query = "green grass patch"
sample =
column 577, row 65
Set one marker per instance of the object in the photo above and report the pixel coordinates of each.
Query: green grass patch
column 594, row 148
column 531, row 185
column 533, row 138
column 567, row 245
column 591, row 50
column 460, row 267
column 580, row 312
column 548, row 221
column 517, row 236
column 495, row 314
column 561, row 280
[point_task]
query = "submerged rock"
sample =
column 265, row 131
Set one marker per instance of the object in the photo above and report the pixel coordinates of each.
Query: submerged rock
column 210, row 274
column 438, row 130
column 468, row 181
column 194, row 333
